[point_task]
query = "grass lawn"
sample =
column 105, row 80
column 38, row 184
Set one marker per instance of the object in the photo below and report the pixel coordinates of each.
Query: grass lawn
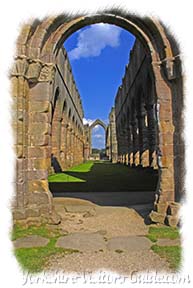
column 172, row 254
column 103, row 176
column 33, row 260
column 65, row 177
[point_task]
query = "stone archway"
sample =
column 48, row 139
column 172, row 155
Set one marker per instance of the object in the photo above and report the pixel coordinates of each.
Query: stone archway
column 94, row 124
column 33, row 76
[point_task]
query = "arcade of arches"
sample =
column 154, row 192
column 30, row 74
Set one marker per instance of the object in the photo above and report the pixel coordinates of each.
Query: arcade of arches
column 144, row 126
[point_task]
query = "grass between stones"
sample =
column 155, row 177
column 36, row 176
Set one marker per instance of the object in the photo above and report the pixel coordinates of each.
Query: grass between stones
column 172, row 254
column 156, row 233
column 34, row 259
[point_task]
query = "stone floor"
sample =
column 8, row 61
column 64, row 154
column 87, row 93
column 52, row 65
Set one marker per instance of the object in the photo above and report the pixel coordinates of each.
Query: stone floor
column 107, row 238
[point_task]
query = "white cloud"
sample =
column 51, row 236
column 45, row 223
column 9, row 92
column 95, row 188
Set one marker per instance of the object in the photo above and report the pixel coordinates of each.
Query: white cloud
column 96, row 128
column 94, row 39
column 87, row 121
column 98, row 136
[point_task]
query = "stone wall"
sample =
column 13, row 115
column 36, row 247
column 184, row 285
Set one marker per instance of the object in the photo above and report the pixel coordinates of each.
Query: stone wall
column 136, row 110
column 47, row 109
column 67, row 139
column 49, row 131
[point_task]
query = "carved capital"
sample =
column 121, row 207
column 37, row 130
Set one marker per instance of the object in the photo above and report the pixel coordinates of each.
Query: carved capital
column 20, row 66
column 34, row 70
column 47, row 73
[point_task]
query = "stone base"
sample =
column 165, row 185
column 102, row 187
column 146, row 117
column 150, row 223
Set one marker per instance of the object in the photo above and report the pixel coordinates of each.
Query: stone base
column 34, row 216
column 157, row 217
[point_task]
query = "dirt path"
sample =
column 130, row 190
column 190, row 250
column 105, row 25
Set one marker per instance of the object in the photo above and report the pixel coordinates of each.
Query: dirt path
column 106, row 238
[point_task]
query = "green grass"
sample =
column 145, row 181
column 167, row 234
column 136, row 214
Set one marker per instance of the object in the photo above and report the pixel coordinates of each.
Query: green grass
column 34, row 259
column 64, row 177
column 163, row 232
column 172, row 254
column 84, row 167
column 102, row 176
column 19, row 231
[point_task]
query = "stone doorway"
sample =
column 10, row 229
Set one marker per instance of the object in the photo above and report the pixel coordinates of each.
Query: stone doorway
column 40, row 105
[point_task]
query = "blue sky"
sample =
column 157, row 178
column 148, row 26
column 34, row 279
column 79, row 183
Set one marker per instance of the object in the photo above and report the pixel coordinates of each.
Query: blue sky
column 98, row 55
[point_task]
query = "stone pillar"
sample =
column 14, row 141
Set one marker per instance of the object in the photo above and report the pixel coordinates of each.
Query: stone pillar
column 68, row 139
column 165, row 135
column 63, row 144
column 152, row 135
column 33, row 139
column 129, row 140
column 20, row 90
column 56, row 136
column 135, row 142
column 143, row 144
column 112, row 136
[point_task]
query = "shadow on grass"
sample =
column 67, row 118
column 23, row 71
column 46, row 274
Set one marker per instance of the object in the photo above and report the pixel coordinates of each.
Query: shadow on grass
column 107, row 177
column 108, row 184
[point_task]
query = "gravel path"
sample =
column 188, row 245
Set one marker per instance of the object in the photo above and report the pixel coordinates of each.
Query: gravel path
column 122, row 263
column 110, row 223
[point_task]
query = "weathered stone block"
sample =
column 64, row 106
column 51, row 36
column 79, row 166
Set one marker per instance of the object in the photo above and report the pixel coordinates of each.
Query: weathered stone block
column 40, row 117
column 38, row 186
column 39, row 164
column 172, row 220
column 38, row 129
column 39, row 106
column 173, row 208
column 37, row 174
column 45, row 210
column 161, row 207
column 32, row 212
column 14, row 86
column 40, row 92
column 33, row 71
column 20, row 138
column 19, row 214
column 157, row 217
column 40, row 140
column 38, row 198
column 166, row 184
column 19, row 151
column 54, row 218
column 39, row 152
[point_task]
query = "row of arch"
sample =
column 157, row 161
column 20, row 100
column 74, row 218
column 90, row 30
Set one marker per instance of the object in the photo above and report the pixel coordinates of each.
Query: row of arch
column 34, row 77
column 68, row 111
column 136, row 113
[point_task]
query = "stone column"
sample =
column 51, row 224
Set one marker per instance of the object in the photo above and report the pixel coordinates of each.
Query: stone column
column 20, row 91
column 130, row 144
column 129, row 140
column 33, row 139
column 165, row 134
column 135, row 142
column 68, row 146
column 56, row 134
column 63, row 144
column 112, row 136
column 143, row 144
column 152, row 135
